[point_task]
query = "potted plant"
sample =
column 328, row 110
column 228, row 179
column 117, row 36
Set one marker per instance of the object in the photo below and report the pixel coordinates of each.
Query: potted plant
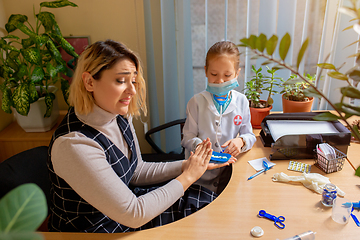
column 294, row 98
column 30, row 66
column 260, row 108
column 343, row 110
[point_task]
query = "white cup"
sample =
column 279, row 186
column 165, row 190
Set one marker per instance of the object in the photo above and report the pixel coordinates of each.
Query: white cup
column 341, row 210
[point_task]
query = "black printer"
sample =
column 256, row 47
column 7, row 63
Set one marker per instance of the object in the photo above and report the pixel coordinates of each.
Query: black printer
column 299, row 145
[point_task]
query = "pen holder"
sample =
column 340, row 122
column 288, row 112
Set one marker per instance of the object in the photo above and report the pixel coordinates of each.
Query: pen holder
column 329, row 165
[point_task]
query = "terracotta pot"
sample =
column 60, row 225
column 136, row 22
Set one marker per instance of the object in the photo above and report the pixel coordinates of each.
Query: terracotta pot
column 295, row 106
column 258, row 114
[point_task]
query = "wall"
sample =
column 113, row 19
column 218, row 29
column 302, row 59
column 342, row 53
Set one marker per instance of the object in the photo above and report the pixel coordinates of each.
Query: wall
column 120, row 20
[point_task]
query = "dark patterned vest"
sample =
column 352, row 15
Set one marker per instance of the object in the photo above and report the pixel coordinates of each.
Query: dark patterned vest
column 69, row 211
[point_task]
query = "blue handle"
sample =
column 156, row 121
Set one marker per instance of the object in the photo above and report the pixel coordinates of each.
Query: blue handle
column 278, row 221
column 355, row 218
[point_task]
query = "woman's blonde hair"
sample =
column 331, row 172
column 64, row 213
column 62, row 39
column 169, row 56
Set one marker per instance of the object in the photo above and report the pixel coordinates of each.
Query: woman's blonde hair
column 96, row 58
column 223, row 48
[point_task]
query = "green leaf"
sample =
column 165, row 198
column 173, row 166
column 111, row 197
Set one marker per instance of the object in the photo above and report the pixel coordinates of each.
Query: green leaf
column 31, row 55
column 57, row 4
column 49, row 98
column 6, row 100
column 20, row 99
column 357, row 172
column 51, row 70
column 261, row 42
column 65, row 85
column 252, row 41
column 14, row 19
column 33, row 94
column 37, row 74
column 301, row 52
column 23, row 209
column 22, row 71
column 27, row 42
column 338, row 75
column 54, row 51
column 292, row 81
column 271, row 45
column 355, row 75
column 326, row 66
column 350, row 92
column 310, row 92
column 47, row 19
column 326, row 116
column 284, row 46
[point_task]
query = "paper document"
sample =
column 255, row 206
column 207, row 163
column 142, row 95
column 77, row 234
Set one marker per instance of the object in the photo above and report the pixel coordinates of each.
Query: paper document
column 257, row 164
column 279, row 128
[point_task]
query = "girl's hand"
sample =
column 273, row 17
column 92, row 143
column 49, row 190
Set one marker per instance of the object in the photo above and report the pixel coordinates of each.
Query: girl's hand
column 196, row 165
column 233, row 146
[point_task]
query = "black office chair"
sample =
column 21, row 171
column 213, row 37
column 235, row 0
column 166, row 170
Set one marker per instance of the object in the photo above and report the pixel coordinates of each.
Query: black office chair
column 26, row 167
column 161, row 155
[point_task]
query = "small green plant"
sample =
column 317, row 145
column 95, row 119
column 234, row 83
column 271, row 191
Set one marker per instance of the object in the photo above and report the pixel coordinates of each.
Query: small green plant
column 34, row 60
column 260, row 83
column 295, row 89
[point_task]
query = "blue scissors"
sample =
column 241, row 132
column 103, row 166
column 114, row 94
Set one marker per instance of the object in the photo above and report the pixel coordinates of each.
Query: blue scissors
column 278, row 221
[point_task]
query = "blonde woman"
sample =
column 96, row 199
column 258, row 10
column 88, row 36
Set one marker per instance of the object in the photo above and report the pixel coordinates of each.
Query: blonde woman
column 95, row 164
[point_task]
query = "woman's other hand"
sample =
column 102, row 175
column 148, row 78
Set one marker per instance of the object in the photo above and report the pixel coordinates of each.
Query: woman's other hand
column 198, row 162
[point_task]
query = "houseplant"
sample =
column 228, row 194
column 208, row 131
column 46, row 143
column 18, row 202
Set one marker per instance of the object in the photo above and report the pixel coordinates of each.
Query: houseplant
column 30, row 65
column 343, row 110
column 294, row 97
column 24, row 202
column 253, row 90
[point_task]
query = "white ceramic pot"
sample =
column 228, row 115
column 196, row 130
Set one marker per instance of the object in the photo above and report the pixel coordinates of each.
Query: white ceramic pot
column 35, row 121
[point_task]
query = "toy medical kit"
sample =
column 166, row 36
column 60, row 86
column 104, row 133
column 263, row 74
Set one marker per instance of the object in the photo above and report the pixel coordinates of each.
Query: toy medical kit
column 328, row 195
column 257, row 231
column 299, row 167
column 266, row 167
column 309, row 235
column 278, row 221
column 313, row 181
column 217, row 157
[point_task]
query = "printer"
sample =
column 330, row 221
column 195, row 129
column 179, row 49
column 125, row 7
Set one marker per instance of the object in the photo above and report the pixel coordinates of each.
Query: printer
column 295, row 135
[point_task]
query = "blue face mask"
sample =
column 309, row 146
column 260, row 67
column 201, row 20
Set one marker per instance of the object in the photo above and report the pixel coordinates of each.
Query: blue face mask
column 220, row 89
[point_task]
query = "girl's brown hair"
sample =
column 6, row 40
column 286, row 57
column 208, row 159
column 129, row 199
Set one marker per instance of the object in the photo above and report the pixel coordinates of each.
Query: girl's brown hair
column 96, row 58
column 223, row 48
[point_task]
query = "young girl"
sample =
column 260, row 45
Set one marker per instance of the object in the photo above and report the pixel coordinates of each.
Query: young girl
column 219, row 113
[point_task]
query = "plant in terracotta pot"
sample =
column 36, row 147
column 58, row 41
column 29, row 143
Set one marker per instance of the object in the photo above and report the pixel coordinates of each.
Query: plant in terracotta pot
column 343, row 110
column 295, row 94
column 253, row 90
column 30, row 65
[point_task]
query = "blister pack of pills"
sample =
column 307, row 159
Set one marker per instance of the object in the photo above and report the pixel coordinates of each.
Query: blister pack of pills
column 299, row 167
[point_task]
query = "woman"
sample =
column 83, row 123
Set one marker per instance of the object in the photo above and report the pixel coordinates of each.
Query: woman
column 95, row 161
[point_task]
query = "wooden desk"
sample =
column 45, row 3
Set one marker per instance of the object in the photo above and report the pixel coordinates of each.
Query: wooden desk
column 234, row 213
column 13, row 139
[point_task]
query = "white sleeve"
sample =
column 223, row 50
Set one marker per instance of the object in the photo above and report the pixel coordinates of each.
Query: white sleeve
column 190, row 130
column 246, row 131
column 81, row 162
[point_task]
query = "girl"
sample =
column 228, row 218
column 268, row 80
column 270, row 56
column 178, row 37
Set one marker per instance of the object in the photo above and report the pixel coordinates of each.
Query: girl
column 98, row 179
column 219, row 113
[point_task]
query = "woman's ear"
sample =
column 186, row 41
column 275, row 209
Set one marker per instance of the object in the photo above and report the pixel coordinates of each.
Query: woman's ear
column 88, row 81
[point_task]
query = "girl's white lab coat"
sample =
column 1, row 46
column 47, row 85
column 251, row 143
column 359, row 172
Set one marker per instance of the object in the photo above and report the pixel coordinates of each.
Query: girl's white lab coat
column 201, row 123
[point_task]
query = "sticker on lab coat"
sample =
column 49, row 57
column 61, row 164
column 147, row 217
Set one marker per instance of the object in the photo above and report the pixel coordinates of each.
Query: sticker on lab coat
column 237, row 120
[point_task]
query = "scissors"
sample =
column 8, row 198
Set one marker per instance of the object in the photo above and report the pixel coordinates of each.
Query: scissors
column 278, row 221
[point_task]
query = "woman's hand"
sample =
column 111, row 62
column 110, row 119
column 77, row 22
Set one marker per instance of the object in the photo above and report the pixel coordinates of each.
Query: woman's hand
column 233, row 146
column 196, row 165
